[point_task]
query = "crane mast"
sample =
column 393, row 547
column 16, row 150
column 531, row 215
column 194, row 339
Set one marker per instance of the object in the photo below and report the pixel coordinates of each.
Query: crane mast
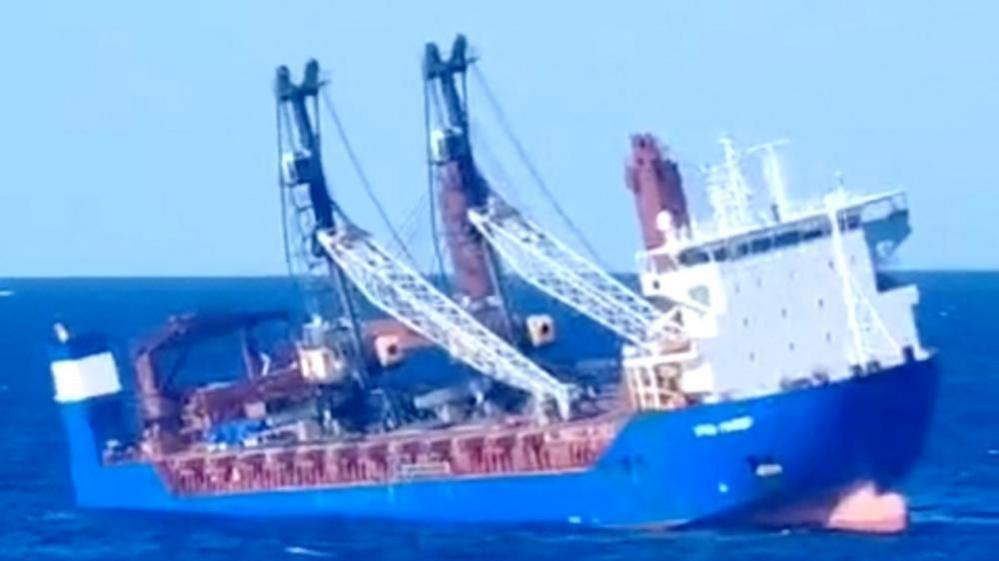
column 461, row 188
column 330, row 245
column 480, row 224
column 308, row 209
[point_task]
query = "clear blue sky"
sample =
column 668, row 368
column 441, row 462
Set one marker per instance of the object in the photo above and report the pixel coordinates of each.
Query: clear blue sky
column 129, row 127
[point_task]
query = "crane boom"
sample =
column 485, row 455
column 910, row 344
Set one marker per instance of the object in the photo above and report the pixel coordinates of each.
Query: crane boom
column 550, row 266
column 480, row 225
column 412, row 300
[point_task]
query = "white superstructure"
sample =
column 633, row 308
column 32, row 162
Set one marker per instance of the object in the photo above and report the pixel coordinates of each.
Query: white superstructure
column 793, row 297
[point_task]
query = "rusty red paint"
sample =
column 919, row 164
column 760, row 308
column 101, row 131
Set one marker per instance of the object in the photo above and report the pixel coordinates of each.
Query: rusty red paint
column 516, row 450
column 466, row 247
column 658, row 187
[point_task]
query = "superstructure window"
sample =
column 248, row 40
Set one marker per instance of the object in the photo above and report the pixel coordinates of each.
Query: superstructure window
column 811, row 234
column 787, row 238
column 761, row 245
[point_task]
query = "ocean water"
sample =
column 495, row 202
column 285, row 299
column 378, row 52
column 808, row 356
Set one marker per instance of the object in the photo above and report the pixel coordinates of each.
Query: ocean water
column 954, row 493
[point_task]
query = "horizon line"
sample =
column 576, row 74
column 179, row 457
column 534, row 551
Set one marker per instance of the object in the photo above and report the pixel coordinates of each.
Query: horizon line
column 944, row 270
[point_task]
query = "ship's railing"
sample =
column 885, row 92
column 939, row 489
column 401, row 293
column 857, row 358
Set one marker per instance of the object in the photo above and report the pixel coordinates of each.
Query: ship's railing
column 379, row 461
column 869, row 332
column 806, row 223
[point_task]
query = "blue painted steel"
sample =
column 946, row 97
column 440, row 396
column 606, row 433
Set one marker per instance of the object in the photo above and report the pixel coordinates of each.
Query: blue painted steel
column 663, row 468
column 235, row 432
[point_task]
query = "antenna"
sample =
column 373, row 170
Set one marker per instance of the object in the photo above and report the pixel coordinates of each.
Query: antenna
column 728, row 191
column 774, row 177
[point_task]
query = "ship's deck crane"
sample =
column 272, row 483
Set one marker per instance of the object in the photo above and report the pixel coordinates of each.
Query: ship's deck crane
column 308, row 208
column 408, row 297
column 461, row 187
column 390, row 285
column 550, row 266
column 540, row 259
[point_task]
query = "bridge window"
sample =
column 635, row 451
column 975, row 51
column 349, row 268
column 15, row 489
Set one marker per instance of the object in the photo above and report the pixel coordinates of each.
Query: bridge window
column 696, row 257
column 811, row 234
column 788, row 238
column 761, row 245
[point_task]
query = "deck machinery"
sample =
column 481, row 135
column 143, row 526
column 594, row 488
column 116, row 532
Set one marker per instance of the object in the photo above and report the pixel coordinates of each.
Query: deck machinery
column 391, row 285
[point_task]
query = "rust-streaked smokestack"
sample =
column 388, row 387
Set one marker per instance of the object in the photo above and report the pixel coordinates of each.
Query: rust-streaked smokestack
column 657, row 185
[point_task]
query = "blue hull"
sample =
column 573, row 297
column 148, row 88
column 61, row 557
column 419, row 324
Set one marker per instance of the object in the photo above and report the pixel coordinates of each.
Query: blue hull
column 667, row 468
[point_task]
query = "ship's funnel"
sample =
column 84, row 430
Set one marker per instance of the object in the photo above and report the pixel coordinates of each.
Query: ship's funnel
column 658, row 188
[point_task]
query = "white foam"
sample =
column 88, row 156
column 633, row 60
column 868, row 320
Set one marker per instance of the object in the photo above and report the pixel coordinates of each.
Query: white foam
column 296, row 550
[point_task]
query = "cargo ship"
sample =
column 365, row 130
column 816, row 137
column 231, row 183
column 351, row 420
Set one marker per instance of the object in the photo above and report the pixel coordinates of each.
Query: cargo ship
column 770, row 371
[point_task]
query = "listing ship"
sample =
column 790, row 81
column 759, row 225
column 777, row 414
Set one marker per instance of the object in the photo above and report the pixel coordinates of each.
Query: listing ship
column 770, row 371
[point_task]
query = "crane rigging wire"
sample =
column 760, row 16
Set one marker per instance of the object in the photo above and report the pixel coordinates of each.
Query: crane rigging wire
column 280, row 180
column 362, row 177
column 431, row 184
column 306, row 284
column 409, row 226
column 492, row 166
column 504, row 123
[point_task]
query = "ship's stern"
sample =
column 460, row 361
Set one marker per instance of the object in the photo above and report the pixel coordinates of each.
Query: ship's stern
column 89, row 395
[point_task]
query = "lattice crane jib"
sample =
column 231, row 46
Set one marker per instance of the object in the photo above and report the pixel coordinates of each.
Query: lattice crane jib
column 405, row 295
column 555, row 269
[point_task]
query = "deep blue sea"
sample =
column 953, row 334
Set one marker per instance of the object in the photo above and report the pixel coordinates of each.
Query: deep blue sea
column 954, row 493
